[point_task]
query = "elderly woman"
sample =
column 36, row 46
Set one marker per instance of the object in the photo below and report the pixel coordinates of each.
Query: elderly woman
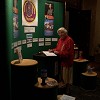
column 65, row 51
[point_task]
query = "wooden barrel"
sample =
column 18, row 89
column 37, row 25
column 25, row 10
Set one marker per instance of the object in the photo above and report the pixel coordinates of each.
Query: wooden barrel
column 79, row 66
column 47, row 62
column 23, row 77
column 88, row 80
column 46, row 92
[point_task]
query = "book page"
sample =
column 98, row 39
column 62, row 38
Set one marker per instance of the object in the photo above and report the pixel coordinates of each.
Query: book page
column 47, row 53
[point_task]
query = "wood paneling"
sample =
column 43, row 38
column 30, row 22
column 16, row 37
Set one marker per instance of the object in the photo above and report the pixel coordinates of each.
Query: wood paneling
column 76, row 4
column 71, row 4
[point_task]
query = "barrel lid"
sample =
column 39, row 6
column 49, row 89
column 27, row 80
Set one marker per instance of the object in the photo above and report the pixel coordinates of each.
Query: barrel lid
column 24, row 62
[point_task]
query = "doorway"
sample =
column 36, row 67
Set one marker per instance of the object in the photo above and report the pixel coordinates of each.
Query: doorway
column 79, row 29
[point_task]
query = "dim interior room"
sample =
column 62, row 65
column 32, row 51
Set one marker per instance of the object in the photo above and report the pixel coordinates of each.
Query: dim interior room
column 30, row 29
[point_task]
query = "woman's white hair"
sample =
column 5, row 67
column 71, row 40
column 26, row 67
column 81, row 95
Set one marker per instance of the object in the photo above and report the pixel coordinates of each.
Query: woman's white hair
column 62, row 29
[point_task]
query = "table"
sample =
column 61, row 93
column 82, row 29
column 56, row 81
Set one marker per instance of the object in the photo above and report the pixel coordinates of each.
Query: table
column 88, row 80
column 46, row 92
column 47, row 62
column 23, row 76
column 79, row 66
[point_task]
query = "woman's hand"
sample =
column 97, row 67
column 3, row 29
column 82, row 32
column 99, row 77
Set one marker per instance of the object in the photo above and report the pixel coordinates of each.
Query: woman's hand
column 56, row 52
column 50, row 50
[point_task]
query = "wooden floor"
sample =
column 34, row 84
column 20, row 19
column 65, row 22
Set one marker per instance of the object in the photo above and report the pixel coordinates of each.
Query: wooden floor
column 82, row 94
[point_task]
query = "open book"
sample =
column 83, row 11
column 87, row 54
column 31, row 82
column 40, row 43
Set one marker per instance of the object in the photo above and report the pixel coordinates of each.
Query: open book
column 47, row 53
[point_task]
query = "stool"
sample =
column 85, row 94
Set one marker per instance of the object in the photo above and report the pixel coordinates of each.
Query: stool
column 45, row 92
column 88, row 80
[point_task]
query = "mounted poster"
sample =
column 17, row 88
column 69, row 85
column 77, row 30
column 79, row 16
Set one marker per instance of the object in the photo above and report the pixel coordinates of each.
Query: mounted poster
column 15, row 19
column 49, row 19
column 29, row 12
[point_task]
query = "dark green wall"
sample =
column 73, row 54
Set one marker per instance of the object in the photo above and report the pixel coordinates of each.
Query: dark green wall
column 39, row 33
column 9, row 40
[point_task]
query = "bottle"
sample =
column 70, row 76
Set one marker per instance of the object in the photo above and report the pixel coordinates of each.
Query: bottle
column 75, row 51
column 80, row 55
column 43, row 76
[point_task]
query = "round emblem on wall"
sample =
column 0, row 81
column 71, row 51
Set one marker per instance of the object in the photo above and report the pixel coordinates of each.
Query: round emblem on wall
column 29, row 11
